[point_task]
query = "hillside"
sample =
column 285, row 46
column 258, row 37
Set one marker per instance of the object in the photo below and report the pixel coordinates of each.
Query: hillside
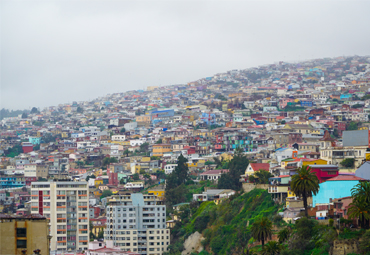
column 225, row 227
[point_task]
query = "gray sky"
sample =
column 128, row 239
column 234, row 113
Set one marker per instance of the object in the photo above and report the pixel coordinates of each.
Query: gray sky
column 62, row 51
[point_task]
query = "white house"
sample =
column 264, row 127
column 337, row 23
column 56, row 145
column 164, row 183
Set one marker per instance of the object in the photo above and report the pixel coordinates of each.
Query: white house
column 168, row 169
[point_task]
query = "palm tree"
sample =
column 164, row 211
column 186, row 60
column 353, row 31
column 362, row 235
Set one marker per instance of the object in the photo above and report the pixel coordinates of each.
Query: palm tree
column 283, row 235
column 359, row 209
column 304, row 184
column 360, row 206
column 271, row 248
column 262, row 230
column 361, row 191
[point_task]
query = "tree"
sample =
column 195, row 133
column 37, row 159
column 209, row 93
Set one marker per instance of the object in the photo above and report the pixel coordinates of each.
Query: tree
column 106, row 193
column 24, row 115
column 90, row 177
column 260, row 177
column 357, row 106
column 364, row 244
column 360, row 206
column 126, row 152
column 80, row 110
column 262, row 230
column 352, row 126
column 101, row 234
column 155, row 158
column 348, row 162
column 283, row 235
column 159, row 141
column 122, row 131
column 136, row 177
column 34, row 110
column 147, row 177
column 335, row 133
column 109, row 160
column 237, row 167
column 272, row 248
column 144, row 147
column 283, row 122
column 304, row 184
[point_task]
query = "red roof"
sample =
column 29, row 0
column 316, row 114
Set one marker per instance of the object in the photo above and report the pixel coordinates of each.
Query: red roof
column 281, row 176
column 346, row 178
column 260, row 166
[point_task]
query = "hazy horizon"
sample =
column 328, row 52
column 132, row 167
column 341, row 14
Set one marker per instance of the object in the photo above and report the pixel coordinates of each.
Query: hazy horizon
column 60, row 51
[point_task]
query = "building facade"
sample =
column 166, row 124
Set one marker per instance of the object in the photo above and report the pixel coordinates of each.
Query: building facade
column 137, row 222
column 19, row 233
column 66, row 205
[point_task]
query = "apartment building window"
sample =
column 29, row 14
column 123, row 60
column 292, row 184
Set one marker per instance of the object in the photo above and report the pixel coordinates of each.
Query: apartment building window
column 21, row 232
column 21, row 243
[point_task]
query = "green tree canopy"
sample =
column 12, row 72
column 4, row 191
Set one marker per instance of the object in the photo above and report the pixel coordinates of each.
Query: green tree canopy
column 360, row 206
column 106, row 193
column 262, row 230
column 348, row 162
column 34, row 110
column 237, row 167
column 304, row 184
column 260, row 177
column 352, row 126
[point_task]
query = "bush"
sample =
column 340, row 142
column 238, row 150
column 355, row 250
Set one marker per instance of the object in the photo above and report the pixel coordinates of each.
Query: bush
column 331, row 222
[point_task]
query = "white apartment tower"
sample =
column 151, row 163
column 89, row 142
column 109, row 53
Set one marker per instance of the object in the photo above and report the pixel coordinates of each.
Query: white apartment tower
column 137, row 222
column 66, row 205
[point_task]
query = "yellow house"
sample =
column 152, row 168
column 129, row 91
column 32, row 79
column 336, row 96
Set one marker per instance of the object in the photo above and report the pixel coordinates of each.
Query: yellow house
column 98, row 182
column 98, row 172
column 160, row 149
column 98, row 193
column 159, row 193
column 64, row 135
column 21, row 233
column 135, row 168
column 143, row 118
column 314, row 162
column 145, row 159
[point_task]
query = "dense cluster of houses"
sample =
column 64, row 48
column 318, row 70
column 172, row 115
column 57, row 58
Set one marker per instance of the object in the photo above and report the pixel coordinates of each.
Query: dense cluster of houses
column 282, row 116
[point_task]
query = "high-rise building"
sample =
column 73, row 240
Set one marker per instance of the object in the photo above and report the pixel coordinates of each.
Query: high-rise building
column 66, row 205
column 137, row 222
column 24, row 234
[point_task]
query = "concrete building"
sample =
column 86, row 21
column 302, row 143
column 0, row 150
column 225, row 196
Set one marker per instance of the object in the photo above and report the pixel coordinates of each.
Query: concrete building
column 18, row 233
column 65, row 204
column 137, row 222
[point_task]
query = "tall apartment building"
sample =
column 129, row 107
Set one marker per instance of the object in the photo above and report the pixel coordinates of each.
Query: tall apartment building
column 66, row 205
column 137, row 222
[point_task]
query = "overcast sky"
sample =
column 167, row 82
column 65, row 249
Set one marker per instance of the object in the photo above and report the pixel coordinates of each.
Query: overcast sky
column 62, row 51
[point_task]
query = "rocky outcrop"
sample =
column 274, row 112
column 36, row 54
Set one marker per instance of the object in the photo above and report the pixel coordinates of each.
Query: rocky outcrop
column 193, row 244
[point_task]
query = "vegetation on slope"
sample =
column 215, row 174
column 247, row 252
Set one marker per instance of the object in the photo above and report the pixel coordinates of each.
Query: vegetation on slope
column 226, row 227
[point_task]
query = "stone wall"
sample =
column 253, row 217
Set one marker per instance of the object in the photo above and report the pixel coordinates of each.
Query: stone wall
column 247, row 187
column 344, row 247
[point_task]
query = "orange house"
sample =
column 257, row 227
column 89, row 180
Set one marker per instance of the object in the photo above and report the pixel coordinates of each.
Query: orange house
column 160, row 149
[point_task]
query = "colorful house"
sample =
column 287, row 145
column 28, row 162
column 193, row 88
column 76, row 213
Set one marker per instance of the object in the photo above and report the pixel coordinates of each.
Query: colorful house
column 337, row 187
column 253, row 167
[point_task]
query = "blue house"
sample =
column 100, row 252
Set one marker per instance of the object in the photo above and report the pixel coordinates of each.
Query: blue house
column 34, row 140
column 337, row 187
column 306, row 103
column 345, row 96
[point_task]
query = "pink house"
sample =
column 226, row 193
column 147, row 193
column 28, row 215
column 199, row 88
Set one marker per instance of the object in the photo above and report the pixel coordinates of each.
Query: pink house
column 284, row 102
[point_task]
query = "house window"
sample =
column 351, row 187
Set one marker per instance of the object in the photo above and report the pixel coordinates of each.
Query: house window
column 21, row 232
column 21, row 243
column 332, row 172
